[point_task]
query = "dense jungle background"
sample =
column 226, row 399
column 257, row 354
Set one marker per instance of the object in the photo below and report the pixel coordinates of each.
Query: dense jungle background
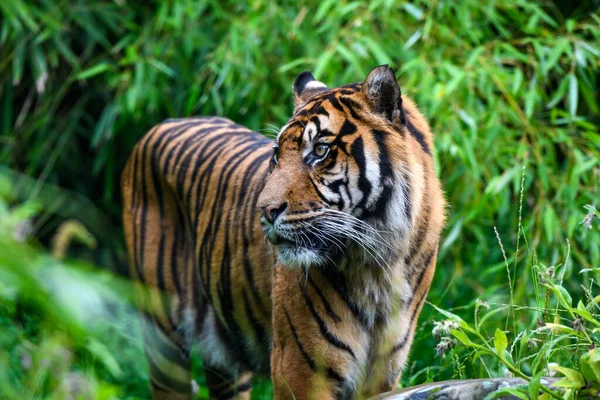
column 512, row 91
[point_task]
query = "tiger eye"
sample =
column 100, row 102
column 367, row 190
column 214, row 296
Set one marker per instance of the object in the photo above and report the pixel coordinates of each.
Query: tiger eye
column 321, row 150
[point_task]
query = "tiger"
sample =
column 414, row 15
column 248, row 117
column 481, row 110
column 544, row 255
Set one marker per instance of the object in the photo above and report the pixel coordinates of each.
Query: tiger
column 306, row 258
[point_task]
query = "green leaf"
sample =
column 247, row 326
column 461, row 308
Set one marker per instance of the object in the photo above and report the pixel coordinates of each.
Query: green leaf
column 559, row 94
column 534, row 386
column 531, row 97
column 413, row 10
column 566, row 383
column 563, row 329
column 517, row 81
column 452, row 235
column 573, row 379
column 550, row 222
column 467, row 119
column 93, row 71
column 462, row 337
column 500, row 343
column 447, row 314
column 589, row 369
column 565, row 295
column 478, row 354
column 500, row 182
column 104, row 355
column 26, row 210
column 159, row 65
column 502, row 393
column 491, row 314
column 413, row 39
column 378, row 52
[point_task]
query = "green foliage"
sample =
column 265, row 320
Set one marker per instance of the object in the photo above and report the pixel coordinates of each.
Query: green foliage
column 52, row 345
column 510, row 88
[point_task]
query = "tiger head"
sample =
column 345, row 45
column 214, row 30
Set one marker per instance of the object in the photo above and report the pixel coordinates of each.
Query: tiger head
column 338, row 181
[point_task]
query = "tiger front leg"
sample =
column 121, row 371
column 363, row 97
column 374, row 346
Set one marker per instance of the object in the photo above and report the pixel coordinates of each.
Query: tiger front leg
column 318, row 349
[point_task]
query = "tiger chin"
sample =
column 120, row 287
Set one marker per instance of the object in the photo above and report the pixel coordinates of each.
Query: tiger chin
column 306, row 258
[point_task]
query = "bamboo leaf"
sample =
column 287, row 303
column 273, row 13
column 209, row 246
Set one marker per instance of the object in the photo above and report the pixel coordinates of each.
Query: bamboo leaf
column 93, row 71
column 573, row 95
column 500, row 343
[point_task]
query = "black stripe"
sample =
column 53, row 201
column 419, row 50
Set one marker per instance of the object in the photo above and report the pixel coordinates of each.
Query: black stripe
column 417, row 134
column 209, row 236
column 335, row 187
column 352, row 107
column 166, row 381
column 200, row 184
column 348, row 128
column 338, row 283
column 242, row 198
column 326, row 304
column 364, row 185
column 354, row 86
column 305, row 355
column 169, row 350
column 323, row 327
column 178, row 148
column 187, row 149
column 321, row 195
column 221, row 193
column 334, row 102
column 134, row 212
column 425, row 268
column 406, row 190
column 321, row 111
column 179, row 239
column 422, row 229
column 157, row 386
column 158, row 194
column 331, row 374
column 259, row 331
column 143, row 207
column 198, row 147
column 386, row 176
column 404, row 339
column 233, row 391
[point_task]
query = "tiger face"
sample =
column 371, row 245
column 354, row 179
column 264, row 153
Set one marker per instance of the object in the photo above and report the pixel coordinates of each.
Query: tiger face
column 335, row 184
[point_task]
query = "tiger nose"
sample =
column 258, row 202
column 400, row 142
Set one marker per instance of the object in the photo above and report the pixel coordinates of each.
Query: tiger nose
column 272, row 211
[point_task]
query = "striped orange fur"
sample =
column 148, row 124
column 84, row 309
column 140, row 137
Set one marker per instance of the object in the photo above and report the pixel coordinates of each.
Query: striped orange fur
column 349, row 201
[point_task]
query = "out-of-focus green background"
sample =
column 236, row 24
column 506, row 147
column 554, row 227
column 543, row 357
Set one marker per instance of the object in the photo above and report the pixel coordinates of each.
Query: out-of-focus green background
column 511, row 89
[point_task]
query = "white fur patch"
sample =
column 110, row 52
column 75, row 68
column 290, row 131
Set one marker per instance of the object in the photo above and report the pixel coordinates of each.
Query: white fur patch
column 314, row 85
column 188, row 325
column 310, row 131
column 213, row 349
column 294, row 257
column 283, row 128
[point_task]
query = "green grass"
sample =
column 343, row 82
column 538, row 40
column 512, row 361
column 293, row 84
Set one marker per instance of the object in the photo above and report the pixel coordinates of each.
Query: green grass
column 511, row 91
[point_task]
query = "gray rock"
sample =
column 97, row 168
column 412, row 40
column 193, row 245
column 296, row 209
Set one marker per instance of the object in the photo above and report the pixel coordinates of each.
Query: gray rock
column 468, row 389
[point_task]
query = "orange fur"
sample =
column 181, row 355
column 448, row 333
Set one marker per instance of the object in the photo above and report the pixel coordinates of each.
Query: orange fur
column 339, row 329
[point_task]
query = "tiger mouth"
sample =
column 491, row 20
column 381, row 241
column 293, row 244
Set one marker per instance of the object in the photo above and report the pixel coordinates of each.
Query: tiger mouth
column 308, row 242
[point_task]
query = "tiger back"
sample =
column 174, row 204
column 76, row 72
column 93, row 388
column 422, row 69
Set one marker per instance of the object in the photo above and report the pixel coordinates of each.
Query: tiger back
column 308, row 258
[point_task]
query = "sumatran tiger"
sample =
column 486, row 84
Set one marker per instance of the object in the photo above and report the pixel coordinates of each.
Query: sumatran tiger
column 349, row 201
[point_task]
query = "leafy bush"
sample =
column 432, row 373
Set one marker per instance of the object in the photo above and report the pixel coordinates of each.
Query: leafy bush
column 548, row 333
column 510, row 88
column 68, row 329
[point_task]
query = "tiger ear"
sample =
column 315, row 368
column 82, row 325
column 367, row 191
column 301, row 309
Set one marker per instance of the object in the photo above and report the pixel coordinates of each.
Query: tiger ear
column 383, row 93
column 305, row 87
